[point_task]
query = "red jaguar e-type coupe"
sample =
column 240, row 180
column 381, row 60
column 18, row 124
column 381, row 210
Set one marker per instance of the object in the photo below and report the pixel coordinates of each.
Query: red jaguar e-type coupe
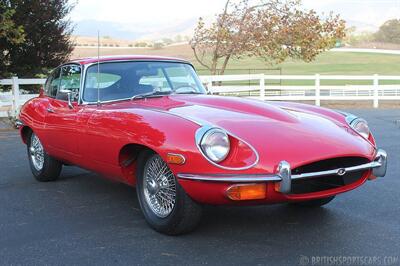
column 148, row 122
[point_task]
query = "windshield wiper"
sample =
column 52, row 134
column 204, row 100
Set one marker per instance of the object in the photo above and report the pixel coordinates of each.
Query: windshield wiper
column 189, row 92
column 150, row 94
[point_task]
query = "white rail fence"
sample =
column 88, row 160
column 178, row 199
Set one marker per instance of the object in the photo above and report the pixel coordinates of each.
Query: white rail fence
column 11, row 101
column 315, row 92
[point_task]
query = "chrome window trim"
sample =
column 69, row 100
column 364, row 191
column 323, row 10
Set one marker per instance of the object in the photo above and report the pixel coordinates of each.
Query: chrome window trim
column 47, row 80
column 60, row 67
column 86, row 67
column 80, row 81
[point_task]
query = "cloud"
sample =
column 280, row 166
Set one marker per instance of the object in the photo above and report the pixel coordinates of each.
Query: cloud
column 150, row 15
column 372, row 12
column 143, row 12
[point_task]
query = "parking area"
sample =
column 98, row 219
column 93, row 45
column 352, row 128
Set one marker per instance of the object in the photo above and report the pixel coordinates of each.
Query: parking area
column 86, row 219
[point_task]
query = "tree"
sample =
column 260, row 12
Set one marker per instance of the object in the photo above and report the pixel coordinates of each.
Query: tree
column 270, row 29
column 389, row 32
column 47, row 36
column 10, row 34
column 158, row 45
column 167, row 41
column 178, row 38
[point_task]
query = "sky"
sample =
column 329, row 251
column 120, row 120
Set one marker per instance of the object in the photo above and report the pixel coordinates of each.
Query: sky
column 149, row 15
column 140, row 11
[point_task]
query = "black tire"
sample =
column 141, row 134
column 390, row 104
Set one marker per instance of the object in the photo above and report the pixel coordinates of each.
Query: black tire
column 313, row 203
column 50, row 169
column 185, row 214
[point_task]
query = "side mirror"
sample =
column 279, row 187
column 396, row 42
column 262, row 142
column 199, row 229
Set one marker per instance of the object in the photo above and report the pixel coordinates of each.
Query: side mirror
column 69, row 97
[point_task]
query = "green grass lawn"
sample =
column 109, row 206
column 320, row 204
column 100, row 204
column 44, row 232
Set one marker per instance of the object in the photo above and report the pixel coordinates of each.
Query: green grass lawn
column 328, row 63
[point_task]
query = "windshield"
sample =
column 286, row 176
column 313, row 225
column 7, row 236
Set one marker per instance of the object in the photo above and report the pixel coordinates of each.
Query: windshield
column 125, row 80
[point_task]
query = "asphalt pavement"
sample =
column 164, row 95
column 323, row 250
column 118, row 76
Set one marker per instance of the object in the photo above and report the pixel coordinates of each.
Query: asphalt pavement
column 84, row 219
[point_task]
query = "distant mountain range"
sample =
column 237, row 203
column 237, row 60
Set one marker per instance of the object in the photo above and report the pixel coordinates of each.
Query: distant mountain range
column 134, row 32
column 362, row 26
column 156, row 31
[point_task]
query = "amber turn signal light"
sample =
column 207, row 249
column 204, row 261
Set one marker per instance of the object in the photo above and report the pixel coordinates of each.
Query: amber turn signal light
column 174, row 158
column 247, row 192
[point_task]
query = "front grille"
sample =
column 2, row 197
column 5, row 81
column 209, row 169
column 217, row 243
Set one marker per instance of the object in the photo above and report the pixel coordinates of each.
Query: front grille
column 302, row 186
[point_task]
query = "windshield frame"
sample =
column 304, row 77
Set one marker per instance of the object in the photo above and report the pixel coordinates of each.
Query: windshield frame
column 86, row 68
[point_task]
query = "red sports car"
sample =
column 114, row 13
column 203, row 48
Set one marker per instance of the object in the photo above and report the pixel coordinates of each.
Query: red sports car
column 149, row 122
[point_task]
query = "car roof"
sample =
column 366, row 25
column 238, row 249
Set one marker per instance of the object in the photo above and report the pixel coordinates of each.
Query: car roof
column 91, row 60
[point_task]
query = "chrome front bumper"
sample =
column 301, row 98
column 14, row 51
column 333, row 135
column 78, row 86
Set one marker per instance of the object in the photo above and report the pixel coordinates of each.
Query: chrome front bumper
column 284, row 176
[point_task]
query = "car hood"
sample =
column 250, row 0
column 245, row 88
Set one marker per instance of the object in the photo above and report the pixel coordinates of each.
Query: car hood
column 298, row 134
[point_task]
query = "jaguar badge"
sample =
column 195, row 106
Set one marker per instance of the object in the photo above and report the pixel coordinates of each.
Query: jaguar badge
column 341, row 172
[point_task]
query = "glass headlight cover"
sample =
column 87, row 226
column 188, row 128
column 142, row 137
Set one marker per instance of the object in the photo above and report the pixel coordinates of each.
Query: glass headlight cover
column 361, row 126
column 215, row 145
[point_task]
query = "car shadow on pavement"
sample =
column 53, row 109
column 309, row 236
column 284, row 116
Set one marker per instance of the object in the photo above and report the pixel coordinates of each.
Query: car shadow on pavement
column 216, row 220
column 264, row 219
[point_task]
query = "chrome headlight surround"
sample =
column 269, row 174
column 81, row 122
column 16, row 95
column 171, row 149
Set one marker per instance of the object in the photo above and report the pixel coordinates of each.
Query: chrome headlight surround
column 361, row 127
column 214, row 144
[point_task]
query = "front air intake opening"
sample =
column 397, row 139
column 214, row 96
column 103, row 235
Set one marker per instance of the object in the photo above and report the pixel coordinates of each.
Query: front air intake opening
column 310, row 185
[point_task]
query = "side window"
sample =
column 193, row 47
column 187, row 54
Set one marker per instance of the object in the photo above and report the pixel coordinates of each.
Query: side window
column 70, row 80
column 52, row 83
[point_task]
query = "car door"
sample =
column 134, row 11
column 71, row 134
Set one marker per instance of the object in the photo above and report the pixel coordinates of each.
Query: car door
column 62, row 122
column 40, row 104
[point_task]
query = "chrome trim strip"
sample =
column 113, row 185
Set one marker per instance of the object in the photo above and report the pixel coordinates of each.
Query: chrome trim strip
column 351, row 119
column 283, row 173
column 19, row 123
column 338, row 171
column 231, row 178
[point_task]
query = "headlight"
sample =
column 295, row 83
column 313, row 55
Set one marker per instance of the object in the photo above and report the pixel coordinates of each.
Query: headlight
column 215, row 144
column 361, row 126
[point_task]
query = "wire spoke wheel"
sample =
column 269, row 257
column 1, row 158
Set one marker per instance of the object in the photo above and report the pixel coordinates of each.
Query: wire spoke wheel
column 37, row 153
column 159, row 187
column 164, row 203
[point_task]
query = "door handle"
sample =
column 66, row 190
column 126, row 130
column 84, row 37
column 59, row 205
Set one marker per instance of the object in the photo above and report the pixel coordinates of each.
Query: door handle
column 50, row 110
